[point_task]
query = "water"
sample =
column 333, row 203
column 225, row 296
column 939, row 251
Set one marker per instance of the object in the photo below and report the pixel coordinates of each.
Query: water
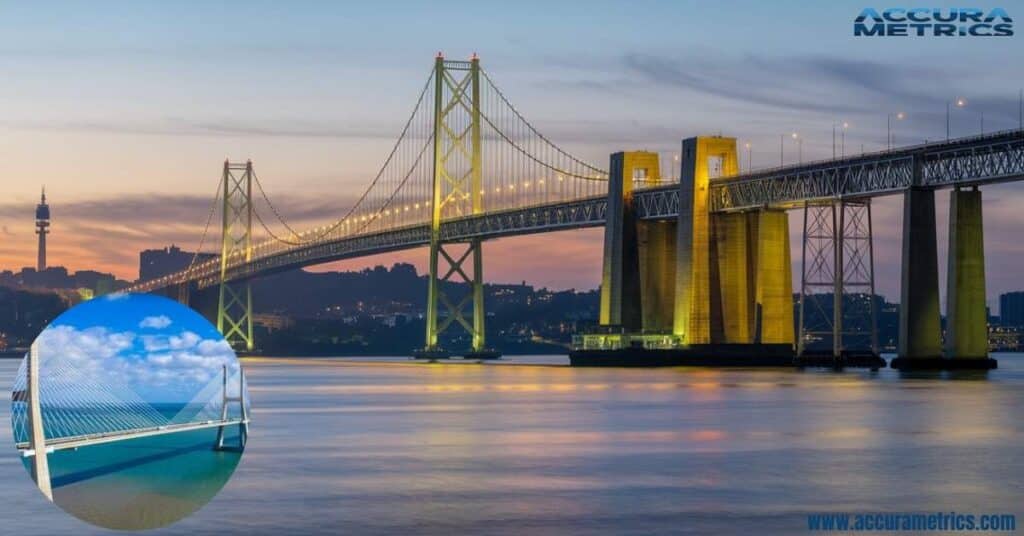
column 345, row 447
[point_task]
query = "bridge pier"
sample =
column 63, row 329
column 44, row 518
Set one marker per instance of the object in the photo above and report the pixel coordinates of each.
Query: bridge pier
column 966, row 316
column 774, row 280
column 622, row 296
column 920, row 337
column 710, row 289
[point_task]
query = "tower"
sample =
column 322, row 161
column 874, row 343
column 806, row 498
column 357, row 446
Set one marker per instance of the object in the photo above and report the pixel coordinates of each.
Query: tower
column 42, row 229
column 457, row 192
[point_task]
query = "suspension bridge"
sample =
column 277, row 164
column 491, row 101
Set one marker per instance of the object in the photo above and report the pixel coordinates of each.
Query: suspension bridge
column 57, row 405
column 694, row 261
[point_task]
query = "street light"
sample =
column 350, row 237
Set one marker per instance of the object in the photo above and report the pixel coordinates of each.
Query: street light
column 888, row 127
column 750, row 157
column 960, row 103
column 842, row 134
column 799, row 147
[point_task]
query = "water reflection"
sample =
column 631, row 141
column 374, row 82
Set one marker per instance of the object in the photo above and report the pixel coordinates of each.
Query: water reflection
column 498, row 449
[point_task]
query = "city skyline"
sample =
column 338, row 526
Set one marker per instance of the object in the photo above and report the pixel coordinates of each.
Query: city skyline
column 138, row 165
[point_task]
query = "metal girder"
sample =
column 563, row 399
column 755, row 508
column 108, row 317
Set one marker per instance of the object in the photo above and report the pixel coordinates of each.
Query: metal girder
column 967, row 161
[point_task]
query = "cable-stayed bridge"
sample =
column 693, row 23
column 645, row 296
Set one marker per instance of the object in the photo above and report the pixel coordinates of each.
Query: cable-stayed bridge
column 468, row 167
column 57, row 405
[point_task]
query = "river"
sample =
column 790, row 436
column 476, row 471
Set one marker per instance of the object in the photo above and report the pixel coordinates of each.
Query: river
column 341, row 446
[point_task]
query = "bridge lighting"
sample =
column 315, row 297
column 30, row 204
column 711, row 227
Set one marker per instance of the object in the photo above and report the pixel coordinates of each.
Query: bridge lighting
column 960, row 102
column 888, row 126
column 511, row 186
column 526, row 184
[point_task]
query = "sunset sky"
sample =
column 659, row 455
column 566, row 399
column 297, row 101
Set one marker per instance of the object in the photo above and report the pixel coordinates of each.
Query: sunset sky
column 126, row 112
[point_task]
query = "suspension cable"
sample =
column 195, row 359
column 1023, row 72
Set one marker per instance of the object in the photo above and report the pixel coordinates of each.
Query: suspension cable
column 380, row 173
column 534, row 130
column 202, row 241
column 542, row 163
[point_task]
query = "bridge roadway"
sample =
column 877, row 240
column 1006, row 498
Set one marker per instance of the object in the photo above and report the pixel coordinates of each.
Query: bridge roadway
column 970, row 161
column 74, row 442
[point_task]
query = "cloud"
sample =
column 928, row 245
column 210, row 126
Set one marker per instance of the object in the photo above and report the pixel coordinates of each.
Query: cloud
column 155, row 322
column 169, row 126
column 155, row 367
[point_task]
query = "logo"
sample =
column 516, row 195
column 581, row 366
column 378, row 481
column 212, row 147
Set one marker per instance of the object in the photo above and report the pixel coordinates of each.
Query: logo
column 933, row 22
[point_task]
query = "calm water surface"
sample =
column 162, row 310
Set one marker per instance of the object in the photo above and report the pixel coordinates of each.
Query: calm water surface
column 347, row 447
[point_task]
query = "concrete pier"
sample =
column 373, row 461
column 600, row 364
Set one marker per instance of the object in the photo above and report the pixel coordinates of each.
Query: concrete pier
column 774, row 292
column 697, row 317
column 735, row 268
column 920, row 337
column 966, row 316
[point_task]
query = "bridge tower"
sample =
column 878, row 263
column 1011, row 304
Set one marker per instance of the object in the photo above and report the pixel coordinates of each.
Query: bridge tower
column 36, row 433
column 234, row 305
column 243, row 424
column 457, row 190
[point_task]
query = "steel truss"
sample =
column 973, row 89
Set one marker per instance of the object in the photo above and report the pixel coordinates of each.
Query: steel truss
column 837, row 294
column 234, row 305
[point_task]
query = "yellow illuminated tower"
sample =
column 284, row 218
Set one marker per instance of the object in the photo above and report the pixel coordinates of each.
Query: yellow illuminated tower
column 42, row 229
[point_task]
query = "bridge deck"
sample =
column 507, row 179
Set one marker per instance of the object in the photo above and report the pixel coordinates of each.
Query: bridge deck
column 970, row 161
column 74, row 442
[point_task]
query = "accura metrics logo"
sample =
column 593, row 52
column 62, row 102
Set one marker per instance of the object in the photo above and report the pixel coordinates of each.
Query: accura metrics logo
column 933, row 22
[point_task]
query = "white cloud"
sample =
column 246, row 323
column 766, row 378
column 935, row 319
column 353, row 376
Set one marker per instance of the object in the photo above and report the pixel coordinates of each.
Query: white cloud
column 155, row 322
column 165, row 366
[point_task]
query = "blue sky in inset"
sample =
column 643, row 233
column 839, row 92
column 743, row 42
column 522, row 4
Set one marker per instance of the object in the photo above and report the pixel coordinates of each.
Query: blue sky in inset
column 158, row 348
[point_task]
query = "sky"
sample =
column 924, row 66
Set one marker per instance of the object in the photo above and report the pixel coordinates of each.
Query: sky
column 126, row 111
column 154, row 347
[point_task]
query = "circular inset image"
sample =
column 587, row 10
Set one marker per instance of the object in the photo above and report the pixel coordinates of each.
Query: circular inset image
column 130, row 411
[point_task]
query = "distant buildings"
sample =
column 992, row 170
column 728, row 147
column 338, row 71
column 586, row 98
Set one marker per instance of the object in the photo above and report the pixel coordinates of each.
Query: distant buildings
column 1011, row 309
column 154, row 263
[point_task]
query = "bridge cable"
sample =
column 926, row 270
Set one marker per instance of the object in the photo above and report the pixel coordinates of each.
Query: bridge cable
column 377, row 178
column 535, row 131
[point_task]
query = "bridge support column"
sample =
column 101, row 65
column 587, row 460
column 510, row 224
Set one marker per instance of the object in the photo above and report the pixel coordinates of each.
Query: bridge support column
column 697, row 315
column 966, row 316
column 920, row 336
column 620, row 274
column 774, row 288
column 735, row 251
column 37, row 434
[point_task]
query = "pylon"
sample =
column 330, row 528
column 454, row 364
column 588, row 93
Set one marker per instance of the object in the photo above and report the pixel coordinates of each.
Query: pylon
column 457, row 187
column 243, row 424
column 234, row 306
